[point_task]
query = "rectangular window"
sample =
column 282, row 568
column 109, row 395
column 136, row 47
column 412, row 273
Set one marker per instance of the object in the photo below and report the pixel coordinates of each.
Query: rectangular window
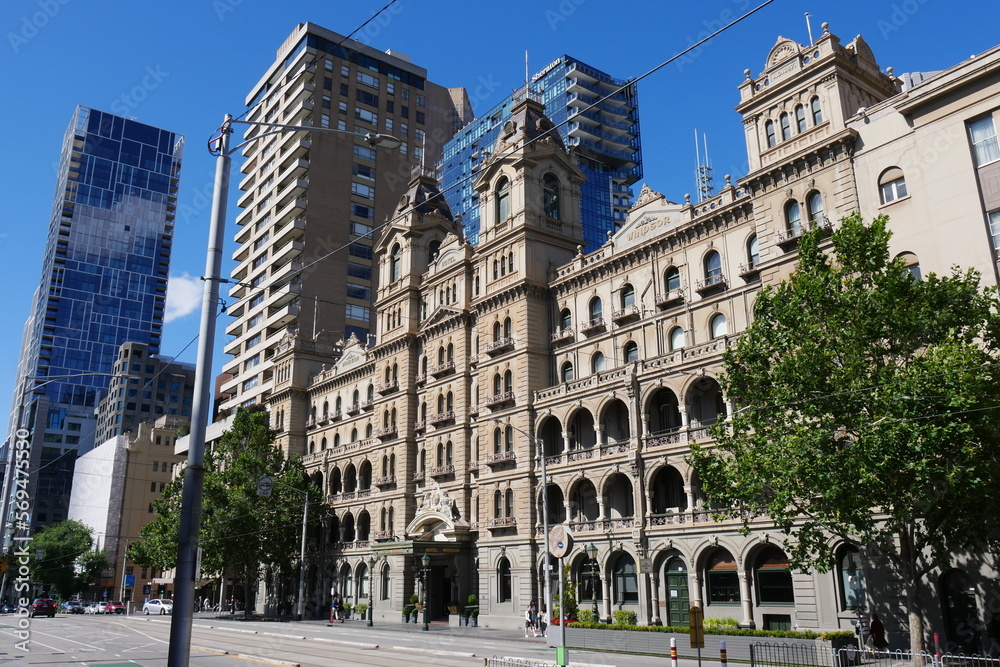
column 368, row 80
column 328, row 64
column 994, row 219
column 360, row 251
column 357, row 312
column 390, row 87
column 362, row 190
column 723, row 587
column 327, row 102
column 388, row 125
column 250, row 384
column 983, row 135
column 364, row 153
column 361, row 229
column 418, row 136
column 361, row 292
column 404, row 129
column 404, row 111
column 362, row 211
column 421, row 101
column 344, row 90
column 359, row 271
column 364, row 171
column 421, row 117
column 342, row 106
column 342, row 125
column 365, row 97
column 366, row 116
column 324, row 120
column 327, row 83
column 405, row 94
column 253, row 341
column 390, row 106
column 252, row 322
column 257, row 300
column 345, row 71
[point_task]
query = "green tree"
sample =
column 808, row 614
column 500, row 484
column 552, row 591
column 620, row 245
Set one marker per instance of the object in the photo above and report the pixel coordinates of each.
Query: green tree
column 65, row 559
column 869, row 411
column 241, row 532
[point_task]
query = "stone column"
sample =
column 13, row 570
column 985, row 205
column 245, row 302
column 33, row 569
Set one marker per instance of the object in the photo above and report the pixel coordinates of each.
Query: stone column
column 565, row 436
column 745, row 600
column 655, row 589
column 606, row 587
column 694, row 588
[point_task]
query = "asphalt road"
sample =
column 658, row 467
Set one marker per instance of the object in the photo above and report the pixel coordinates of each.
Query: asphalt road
column 106, row 641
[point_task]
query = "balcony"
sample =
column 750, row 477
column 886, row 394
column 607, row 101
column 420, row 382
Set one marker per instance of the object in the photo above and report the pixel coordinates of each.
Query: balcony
column 354, row 408
column 388, row 387
column 386, row 433
column 711, row 284
column 625, row 314
column 442, row 369
column 380, row 535
column 420, row 426
column 504, row 522
column 441, row 471
column 499, row 399
column 789, row 238
column 500, row 458
column 671, row 298
column 384, row 480
column 311, row 422
column 442, row 417
column 750, row 270
column 367, row 404
column 501, row 345
column 336, row 415
column 562, row 336
column 473, row 411
column 592, row 325
column 420, row 379
column 418, row 476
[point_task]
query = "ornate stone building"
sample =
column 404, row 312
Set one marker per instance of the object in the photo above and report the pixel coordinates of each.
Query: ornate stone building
column 428, row 440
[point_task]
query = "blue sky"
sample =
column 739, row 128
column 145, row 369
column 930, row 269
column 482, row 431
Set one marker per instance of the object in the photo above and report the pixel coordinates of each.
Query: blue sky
column 182, row 65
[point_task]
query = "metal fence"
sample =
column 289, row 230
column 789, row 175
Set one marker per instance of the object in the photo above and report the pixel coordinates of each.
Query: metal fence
column 513, row 662
column 763, row 654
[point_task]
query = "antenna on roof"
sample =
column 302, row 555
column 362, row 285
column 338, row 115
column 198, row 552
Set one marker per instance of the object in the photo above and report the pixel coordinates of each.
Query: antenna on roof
column 703, row 171
column 809, row 28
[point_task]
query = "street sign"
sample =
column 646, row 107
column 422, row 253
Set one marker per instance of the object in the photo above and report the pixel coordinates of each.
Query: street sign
column 560, row 541
column 264, row 486
column 646, row 565
column 697, row 620
column 129, row 581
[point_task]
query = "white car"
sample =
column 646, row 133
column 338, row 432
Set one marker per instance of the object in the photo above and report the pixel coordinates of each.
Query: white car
column 92, row 608
column 158, row 606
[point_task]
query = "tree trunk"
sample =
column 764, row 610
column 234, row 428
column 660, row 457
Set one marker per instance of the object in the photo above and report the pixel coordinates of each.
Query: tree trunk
column 914, row 609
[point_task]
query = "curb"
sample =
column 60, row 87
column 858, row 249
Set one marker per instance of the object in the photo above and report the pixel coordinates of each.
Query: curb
column 248, row 656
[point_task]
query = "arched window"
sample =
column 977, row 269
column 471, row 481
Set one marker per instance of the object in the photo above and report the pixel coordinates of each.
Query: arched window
column 496, row 269
column 719, row 326
column 432, row 249
column 713, row 267
column 626, row 583
column 423, row 461
column 891, row 185
column 354, row 435
column 497, row 504
column 597, row 362
column 450, row 356
column 370, row 393
column 550, row 196
column 440, row 454
column 769, row 131
column 723, row 578
column 753, row 252
column 565, row 319
column 385, row 472
column 793, row 218
column 814, row 207
column 567, row 372
column 508, row 328
column 504, row 588
column 630, row 352
column 508, row 505
column 392, row 471
column 503, row 199
column 817, row 112
column 497, row 440
column 786, row 127
column 773, row 577
column 508, row 381
column 339, row 405
column 851, row 578
column 627, row 296
column 596, row 309
column 677, row 339
column 497, row 331
column 357, row 397
column 800, row 119
column 368, row 431
column 503, row 265
column 336, row 440
column 911, row 263
column 384, row 583
column 672, row 279
column 322, row 444
column 508, row 439
column 312, row 446
column 395, row 263
column 326, row 409
column 497, row 384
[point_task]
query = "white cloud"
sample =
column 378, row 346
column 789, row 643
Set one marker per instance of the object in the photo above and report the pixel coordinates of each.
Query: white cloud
column 184, row 293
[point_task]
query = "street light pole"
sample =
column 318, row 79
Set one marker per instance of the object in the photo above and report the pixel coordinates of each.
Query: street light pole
column 425, row 572
column 178, row 654
column 592, row 552
column 371, row 591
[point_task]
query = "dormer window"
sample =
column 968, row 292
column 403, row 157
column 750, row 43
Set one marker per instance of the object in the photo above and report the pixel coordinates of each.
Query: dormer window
column 550, row 196
column 503, row 199
column 395, row 263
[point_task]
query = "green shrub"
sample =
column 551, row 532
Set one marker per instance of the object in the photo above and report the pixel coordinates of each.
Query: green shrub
column 585, row 616
column 839, row 634
column 472, row 600
column 407, row 610
column 414, row 598
column 361, row 609
column 716, row 623
column 737, row 632
column 623, row 617
column 347, row 609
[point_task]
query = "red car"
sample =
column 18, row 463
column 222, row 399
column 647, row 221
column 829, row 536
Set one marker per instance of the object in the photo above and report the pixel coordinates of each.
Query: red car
column 115, row 607
column 42, row 607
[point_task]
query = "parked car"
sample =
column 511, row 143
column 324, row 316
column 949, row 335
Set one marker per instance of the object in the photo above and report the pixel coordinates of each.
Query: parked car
column 93, row 608
column 73, row 607
column 158, row 606
column 114, row 607
column 7, row 609
column 42, row 607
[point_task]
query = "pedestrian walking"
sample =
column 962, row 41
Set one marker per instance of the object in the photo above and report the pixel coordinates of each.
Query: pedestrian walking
column 993, row 636
column 877, row 630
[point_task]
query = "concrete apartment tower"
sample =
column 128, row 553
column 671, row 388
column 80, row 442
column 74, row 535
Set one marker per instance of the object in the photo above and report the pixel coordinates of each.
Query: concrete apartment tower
column 103, row 282
column 307, row 195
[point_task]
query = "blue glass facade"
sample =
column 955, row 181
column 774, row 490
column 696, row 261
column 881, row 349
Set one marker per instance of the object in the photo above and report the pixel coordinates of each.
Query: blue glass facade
column 103, row 282
column 606, row 138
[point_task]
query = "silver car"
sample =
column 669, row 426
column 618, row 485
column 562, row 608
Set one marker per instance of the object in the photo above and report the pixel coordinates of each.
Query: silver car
column 158, row 606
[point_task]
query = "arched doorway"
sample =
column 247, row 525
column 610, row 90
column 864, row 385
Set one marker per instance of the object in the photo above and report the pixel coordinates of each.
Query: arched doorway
column 675, row 576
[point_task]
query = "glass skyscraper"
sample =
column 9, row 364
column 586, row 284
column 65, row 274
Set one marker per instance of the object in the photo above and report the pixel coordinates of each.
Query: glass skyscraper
column 103, row 282
column 606, row 138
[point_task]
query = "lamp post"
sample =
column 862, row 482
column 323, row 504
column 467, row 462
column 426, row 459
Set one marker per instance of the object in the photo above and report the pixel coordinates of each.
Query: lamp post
column 592, row 554
column 178, row 654
column 424, row 573
column 264, row 489
column 371, row 591
column 546, row 584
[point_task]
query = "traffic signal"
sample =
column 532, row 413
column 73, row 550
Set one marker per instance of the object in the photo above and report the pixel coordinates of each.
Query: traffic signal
column 163, row 590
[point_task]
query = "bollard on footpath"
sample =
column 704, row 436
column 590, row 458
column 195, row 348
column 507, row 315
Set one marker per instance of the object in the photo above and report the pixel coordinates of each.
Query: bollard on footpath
column 673, row 652
column 722, row 653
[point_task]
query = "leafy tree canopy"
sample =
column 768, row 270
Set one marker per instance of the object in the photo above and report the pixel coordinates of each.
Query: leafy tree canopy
column 65, row 559
column 869, row 409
